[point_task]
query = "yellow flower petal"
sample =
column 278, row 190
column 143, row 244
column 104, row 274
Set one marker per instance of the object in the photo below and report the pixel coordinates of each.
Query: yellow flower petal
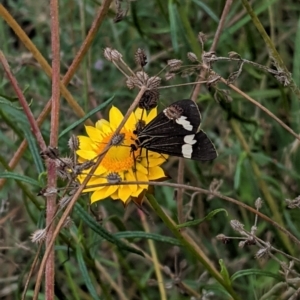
column 156, row 173
column 104, row 126
column 85, row 143
column 137, row 193
column 103, row 193
column 129, row 176
column 142, row 177
column 131, row 123
column 115, row 117
column 140, row 114
column 86, row 154
column 94, row 133
column 149, row 163
column 141, row 168
column 152, row 115
column 124, row 192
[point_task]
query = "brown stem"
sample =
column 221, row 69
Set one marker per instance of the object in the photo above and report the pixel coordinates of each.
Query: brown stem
column 213, row 47
column 34, row 126
column 55, row 100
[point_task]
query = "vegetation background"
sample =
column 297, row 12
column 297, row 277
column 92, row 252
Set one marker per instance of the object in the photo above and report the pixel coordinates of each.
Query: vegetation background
column 258, row 157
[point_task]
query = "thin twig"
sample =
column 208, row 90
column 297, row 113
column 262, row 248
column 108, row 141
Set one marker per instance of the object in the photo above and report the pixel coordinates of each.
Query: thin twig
column 207, row 192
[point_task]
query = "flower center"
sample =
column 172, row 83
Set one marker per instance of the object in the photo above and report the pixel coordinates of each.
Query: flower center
column 119, row 157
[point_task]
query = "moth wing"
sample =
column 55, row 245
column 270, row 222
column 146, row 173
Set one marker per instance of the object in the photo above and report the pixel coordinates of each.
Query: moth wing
column 204, row 149
column 161, row 124
column 199, row 148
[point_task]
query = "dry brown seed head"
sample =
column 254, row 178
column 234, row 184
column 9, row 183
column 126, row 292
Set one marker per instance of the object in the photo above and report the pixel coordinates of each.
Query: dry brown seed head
column 73, row 143
column 258, row 203
column 262, row 252
column 107, row 53
column 174, row 64
column 142, row 77
column 149, row 99
column 192, row 57
column 153, row 82
column 140, row 57
column 130, row 82
column 64, row 162
column 38, row 236
column 236, row 225
column 169, row 76
column 202, row 37
column 116, row 55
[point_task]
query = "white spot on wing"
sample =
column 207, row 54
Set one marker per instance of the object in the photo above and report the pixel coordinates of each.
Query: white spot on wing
column 187, row 148
column 189, row 139
column 185, row 123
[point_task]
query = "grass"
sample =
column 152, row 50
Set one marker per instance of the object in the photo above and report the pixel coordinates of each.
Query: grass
column 233, row 246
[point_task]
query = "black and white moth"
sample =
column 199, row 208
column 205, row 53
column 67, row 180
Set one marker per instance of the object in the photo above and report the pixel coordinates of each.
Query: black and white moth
column 175, row 131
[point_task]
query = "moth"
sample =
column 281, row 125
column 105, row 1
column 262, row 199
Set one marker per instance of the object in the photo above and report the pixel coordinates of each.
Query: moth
column 175, row 131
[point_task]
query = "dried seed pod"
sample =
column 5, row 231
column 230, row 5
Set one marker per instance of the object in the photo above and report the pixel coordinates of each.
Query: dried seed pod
column 140, row 57
column 116, row 55
column 149, row 99
column 38, row 236
column 153, row 82
column 169, row 76
column 142, row 77
column 73, row 143
column 131, row 82
column 107, row 53
column 174, row 64
column 192, row 57
column 202, row 38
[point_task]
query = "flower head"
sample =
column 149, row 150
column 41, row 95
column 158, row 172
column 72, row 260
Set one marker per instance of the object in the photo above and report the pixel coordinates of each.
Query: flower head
column 122, row 162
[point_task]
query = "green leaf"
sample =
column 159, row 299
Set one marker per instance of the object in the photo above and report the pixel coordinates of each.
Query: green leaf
column 145, row 235
column 22, row 178
column 87, row 116
column 85, row 274
column 86, row 218
column 224, row 272
column 206, row 9
column 199, row 221
column 256, row 272
column 34, row 151
column 238, row 171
